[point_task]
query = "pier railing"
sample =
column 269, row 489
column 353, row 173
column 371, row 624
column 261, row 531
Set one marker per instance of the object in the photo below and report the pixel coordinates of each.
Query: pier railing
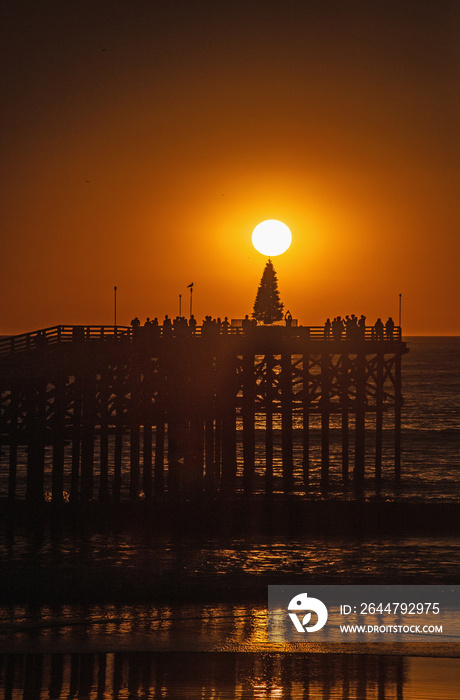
column 54, row 335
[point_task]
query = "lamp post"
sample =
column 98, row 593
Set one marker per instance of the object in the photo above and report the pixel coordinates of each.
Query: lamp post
column 115, row 305
column 190, row 286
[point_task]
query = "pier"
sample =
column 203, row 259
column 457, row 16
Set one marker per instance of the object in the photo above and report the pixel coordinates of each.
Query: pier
column 78, row 403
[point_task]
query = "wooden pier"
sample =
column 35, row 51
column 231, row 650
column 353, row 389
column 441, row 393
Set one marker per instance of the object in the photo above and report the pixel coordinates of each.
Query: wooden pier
column 79, row 403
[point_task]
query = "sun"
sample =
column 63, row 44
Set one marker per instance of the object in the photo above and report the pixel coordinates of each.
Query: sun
column 271, row 237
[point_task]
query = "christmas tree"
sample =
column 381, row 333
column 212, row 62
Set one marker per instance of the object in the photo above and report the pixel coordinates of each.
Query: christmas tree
column 267, row 306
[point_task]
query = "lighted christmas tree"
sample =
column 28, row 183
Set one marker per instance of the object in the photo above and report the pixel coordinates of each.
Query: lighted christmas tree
column 267, row 306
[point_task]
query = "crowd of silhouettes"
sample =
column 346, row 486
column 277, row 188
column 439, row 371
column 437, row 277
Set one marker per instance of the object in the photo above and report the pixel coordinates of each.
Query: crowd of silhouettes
column 354, row 328
column 348, row 328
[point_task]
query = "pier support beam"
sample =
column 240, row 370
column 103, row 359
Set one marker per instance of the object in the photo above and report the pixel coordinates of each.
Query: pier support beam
column 36, row 420
column 269, row 363
column 76, row 436
column 360, row 419
column 379, row 420
column 87, row 438
column 306, row 421
column 13, row 443
column 104, row 436
column 325, row 412
column 147, row 461
column 286, row 422
column 344, row 400
column 398, row 406
column 119, row 429
column 209, row 455
column 249, row 437
column 158, row 474
column 58, row 441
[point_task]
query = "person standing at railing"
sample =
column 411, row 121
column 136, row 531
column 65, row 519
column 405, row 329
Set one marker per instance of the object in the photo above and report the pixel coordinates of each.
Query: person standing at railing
column 378, row 327
column 389, row 328
column 362, row 327
column 192, row 324
column 327, row 329
column 337, row 328
column 167, row 326
column 246, row 324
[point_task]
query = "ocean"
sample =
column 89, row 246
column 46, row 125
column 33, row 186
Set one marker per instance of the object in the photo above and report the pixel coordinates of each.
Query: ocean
column 123, row 611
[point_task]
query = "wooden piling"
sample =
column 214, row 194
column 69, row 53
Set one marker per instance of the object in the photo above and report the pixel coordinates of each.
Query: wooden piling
column 13, row 444
column 306, row 421
column 228, row 451
column 218, row 448
column 197, row 431
column 398, row 406
column 119, row 431
column 175, row 430
column 58, row 441
column 104, row 437
column 76, row 436
column 325, row 412
column 87, row 439
column 248, row 411
column 344, row 393
column 379, row 418
column 269, row 363
column 36, row 419
column 147, row 461
column 158, row 475
column 209, row 451
column 360, row 418
column 135, row 421
column 286, row 422
column 228, row 412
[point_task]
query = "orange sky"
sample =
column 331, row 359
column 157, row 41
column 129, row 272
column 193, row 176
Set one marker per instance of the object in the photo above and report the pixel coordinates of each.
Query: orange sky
column 143, row 141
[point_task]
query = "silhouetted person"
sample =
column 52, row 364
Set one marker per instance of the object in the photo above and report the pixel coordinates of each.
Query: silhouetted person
column 354, row 332
column 154, row 328
column 206, row 326
column 135, row 324
column 246, row 324
column 327, row 329
column 167, row 326
column 389, row 328
column 378, row 327
column 225, row 326
column 347, row 323
column 337, row 328
column 192, row 324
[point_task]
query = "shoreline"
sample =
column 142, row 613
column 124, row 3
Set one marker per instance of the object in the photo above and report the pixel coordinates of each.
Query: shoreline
column 256, row 515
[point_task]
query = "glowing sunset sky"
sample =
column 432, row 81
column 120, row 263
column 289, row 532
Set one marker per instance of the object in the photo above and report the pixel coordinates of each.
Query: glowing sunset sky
column 143, row 141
